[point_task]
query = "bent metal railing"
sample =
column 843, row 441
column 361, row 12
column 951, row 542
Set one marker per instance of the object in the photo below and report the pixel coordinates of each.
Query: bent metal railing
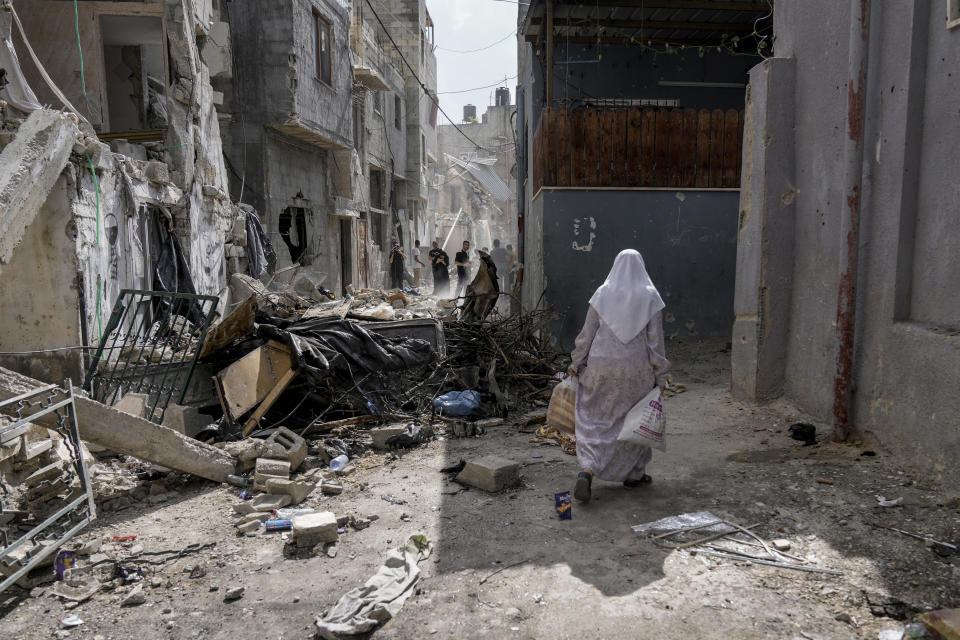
column 18, row 555
column 150, row 345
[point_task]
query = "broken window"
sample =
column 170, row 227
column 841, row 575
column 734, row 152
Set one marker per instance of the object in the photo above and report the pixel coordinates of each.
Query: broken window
column 134, row 71
column 377, row 102
column 293, row 230
column 953, row 13
column 376, row 188
column 322, row 29
column 397, row 111
column 376, row 228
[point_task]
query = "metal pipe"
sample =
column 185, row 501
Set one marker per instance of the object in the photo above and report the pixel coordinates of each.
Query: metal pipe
column 850, row 216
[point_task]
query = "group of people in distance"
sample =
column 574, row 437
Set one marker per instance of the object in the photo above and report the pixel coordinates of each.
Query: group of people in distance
column 503, row 258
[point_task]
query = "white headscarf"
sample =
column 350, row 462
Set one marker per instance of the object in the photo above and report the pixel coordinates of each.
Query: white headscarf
column 627, row 299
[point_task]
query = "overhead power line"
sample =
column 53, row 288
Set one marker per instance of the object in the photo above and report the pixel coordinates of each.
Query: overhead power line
column 506, row 37
column 495, row 84
column 426, row 91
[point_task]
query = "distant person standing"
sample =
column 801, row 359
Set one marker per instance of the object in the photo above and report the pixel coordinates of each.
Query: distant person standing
column 512, row 267
column 462, row 260
column 499, row 257
column 440, row 263
column 396, row 266
column 417, row 263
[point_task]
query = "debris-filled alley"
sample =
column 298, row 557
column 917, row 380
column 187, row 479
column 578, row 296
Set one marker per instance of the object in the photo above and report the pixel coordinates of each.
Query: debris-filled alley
column 663, row 343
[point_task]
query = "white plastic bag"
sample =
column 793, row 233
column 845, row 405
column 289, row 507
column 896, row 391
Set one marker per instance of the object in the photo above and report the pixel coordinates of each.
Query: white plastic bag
column 645, row 423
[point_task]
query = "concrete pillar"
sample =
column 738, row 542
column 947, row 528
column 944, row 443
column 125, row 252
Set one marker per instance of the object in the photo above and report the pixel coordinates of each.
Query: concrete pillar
column 766, row 234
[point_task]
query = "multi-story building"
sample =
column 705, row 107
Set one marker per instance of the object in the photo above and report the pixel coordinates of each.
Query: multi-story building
column 291, row 131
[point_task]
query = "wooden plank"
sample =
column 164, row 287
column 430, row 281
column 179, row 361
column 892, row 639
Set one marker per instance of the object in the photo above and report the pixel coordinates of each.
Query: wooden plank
column 730, row 149
column 237, row 325
column 268, row 401
column 537, row 158
column 716, row 148
column 634, row 147
column 618, row 176
column 577, row 168
column 702, row 178
column 605, row 148
column 739, row 146
column 591, row 148
column 549, row 148
column 563, row 148
column 249, row 380
column 689, row 158
column 648, row 160
column 661, row 174
column 675, row 149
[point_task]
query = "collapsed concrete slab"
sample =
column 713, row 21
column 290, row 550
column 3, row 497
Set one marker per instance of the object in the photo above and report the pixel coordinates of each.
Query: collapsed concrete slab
column 29, row 167
column 131, row 435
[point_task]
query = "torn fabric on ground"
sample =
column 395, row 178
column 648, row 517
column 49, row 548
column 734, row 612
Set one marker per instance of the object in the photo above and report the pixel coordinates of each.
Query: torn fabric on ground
column 366, row 608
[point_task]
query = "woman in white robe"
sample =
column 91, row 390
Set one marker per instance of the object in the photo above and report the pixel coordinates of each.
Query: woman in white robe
column 619, row 357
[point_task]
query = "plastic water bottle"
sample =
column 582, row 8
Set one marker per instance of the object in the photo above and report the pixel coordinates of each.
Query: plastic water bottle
column 339, row 462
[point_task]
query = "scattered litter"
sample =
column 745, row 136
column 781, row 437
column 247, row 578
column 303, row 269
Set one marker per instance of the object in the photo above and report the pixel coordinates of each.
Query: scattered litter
column 547, row 435
column 278, row 525
column 366, row 608
column 883, row 502
column 64, row 560
column 804, row 432
column 69, row 622
column 946, row 622
column 563, row 505
column 339, row 463
column 702, row 521
column 457, row 403
column 124, row 538
column 825, row 480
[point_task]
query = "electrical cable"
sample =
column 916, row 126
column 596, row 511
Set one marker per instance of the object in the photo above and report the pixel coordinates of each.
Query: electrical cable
column 495, row 84
column 509, row 35
column 417, row 78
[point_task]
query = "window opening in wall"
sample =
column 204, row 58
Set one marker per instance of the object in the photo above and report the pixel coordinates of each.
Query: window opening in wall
column 376, row 228
column 322, row 42
column 397, row 111
column 953, row 13
column 358, row 126
column 376, row 188
column 135, row 72
column 423, row 46
column 423, row 150
column 293, row 231
column 377, row 102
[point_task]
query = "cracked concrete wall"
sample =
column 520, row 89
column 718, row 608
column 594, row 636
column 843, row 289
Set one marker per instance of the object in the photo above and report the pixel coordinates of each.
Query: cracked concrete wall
column 905, row 372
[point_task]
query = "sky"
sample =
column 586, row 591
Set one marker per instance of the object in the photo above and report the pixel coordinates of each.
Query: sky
column 464, row 25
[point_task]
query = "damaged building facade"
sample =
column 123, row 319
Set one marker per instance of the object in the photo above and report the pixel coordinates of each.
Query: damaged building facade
column 124, row 187
column 480, row 181
column 629, row 127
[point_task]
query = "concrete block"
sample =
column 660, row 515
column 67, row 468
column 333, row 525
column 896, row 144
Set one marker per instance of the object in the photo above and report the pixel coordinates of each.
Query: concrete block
column 157, row 172
column 331, row 487
column 269, row 502
column 129, row 149
column 186, row 420
column 287, row 445
column 48, row 472
column 298, row 491
column 29, row 167
column 100, row 155
column 134, row 404
column 267, row 468
column 490, row 473
column 380, row 435
column 244, row 508
column 315, row 528
column 249, row 526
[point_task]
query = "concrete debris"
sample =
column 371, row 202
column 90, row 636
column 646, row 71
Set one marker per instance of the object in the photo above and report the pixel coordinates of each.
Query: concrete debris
column 269, row 502
column 233, row 594
column 312, row 529
column 298, row 491
column 268, row 468
column 131, row 435
column 135, row 597
column 490, row 473
column 285, row 444
column 331, row 487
